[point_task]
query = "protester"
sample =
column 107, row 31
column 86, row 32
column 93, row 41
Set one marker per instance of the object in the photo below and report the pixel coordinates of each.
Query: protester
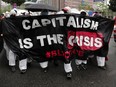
column 11, row 56
column 114, row 29
column 101, row 59
column 67, row 62
column 81, row 63
column 83, row 13
column 44, row 64
column 1, row 35
column 9, row 53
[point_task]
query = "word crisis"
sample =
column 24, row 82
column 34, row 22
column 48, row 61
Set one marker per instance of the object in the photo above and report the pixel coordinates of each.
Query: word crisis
column 70, row 21
column 85, row 40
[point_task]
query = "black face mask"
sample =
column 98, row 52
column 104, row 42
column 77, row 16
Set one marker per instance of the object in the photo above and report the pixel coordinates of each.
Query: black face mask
column 44, row 12
column 83, row 13
column 12, row 15
column 64, row 11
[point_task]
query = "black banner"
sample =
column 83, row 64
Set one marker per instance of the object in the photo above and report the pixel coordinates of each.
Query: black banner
column 57, row 36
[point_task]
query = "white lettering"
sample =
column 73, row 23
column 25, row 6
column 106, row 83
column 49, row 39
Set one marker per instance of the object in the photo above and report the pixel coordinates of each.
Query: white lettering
column 45, row 22
column 61, row 20
column 71, row 22
column 98, row 42
column 41, row 38
column 59, row 37
column 70, row 40
column 35, row 24
column 50, row 39
column 24, row 22
column 27, row 43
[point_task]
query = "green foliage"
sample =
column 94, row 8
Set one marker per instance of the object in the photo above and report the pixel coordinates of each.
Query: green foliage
column 101, row 7
column 18, row 2
column 112, row 5
column 7, row 8
column 85, row 6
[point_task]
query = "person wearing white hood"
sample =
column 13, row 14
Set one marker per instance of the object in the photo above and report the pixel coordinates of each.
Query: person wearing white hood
column 101, row 59
column 44, row 64
column 67, row 64
column 81, row 63
column 9, row 54
column 13, row 13
column 12, row 56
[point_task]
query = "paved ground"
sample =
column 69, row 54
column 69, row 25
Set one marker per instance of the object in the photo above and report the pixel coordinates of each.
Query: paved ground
column 92, row 77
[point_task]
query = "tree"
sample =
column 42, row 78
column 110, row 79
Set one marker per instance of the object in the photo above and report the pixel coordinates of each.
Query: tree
column 112, row 5
column 85, row 5
column 18, row 2
column 100, row 7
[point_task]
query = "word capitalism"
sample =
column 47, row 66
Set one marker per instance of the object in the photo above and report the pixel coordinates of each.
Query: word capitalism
column 76, row 22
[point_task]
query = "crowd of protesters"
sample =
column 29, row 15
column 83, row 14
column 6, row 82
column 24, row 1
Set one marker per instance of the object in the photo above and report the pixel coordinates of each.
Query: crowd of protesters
column 80, row 63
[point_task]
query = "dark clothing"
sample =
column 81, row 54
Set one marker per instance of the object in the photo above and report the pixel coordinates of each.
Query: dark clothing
column 1, row 39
